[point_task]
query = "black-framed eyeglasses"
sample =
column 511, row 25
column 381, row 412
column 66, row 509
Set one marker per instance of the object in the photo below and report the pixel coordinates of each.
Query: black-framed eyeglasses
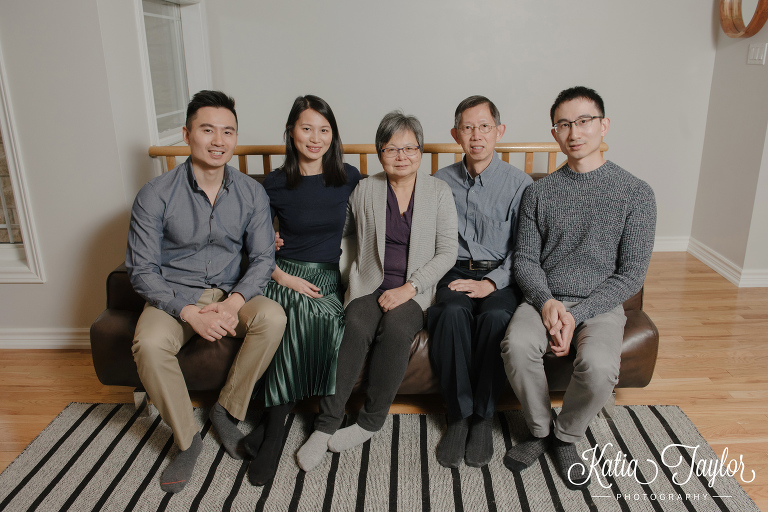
column 467, row 129
column 393, row 152
column 564, row 126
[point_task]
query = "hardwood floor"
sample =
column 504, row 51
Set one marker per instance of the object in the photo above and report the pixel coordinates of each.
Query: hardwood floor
column 713, row 363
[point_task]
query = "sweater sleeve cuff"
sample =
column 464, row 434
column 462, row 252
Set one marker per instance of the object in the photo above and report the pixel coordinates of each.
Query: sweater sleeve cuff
column 538, row 301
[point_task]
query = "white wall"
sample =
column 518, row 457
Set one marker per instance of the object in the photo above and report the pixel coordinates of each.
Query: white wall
column 730, row 209
column 82, row 153
column 651, row 61
column 73, row 74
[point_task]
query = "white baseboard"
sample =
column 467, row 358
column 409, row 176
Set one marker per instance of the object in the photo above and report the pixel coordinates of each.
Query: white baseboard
column 671, row 244
column 716, row 261
column 754, row 279
column 21, row 338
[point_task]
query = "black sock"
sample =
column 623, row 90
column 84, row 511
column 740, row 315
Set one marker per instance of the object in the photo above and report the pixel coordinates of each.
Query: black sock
column 265, row 461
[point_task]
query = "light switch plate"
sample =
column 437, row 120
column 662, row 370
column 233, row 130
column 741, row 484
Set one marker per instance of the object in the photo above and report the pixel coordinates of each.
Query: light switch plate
column 757, row 53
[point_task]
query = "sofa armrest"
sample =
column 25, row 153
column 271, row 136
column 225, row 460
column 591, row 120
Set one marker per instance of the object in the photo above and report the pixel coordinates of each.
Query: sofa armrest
column 120, row 292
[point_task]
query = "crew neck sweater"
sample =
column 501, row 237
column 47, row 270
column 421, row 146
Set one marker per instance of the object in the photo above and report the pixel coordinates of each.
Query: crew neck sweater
column 586, row 238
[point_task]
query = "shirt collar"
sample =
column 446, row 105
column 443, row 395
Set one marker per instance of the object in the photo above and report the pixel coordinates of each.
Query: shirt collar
column 193, row 181
column 487, row 174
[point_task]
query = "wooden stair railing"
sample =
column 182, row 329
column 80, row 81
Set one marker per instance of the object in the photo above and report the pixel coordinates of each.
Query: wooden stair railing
column 363, row 150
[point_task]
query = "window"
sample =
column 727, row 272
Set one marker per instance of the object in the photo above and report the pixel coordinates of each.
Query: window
column 20, row 260
column 10, row 230
column 168, row 71
column 176, row 62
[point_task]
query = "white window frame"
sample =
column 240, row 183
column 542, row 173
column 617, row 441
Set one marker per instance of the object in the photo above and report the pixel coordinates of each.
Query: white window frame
column 19, row 263
column 196, row 54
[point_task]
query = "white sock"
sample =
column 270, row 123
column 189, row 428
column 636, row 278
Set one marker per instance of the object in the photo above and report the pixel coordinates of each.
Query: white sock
column 347, row 438
column 312, row 452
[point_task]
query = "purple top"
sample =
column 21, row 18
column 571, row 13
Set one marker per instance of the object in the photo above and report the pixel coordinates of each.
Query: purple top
column 397, row 238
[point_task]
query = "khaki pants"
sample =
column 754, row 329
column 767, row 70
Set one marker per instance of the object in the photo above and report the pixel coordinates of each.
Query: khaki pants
column 597, row 342
column 159, row 337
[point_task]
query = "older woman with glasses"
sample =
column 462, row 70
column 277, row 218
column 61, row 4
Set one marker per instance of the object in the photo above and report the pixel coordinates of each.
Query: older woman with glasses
column 406, row 241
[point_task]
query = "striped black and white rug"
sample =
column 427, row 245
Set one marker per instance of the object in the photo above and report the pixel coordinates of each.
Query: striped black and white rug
column 106, row 457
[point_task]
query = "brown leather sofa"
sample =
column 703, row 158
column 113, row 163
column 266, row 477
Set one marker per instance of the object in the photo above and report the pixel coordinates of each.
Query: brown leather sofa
column 205, row 364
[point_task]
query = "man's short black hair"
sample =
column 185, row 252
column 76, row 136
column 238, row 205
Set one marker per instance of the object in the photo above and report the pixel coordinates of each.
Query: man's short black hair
column 215, row 99
column 474, row 101
column 575, row 93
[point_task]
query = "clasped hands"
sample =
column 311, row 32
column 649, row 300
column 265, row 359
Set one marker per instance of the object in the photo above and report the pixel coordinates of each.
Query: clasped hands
column 215, row 320
column 560, row 326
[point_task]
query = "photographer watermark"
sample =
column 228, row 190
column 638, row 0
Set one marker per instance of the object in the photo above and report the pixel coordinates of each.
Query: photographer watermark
column 600, row 466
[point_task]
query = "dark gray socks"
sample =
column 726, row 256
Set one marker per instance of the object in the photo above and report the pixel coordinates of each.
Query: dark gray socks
column 572, row 469
column 179, row 471
column 479, row 443
column 450, row 449
column 226, row 428
column 524, row 454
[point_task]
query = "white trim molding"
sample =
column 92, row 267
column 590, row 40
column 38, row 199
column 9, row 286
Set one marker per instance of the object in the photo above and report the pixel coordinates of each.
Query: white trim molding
column 671, row 244
column 27, row 264
column 50, row 338
column 754, row 279
column 716, row 261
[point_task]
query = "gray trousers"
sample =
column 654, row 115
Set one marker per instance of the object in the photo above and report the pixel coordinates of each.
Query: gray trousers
column 597, row 342
column 385, row 338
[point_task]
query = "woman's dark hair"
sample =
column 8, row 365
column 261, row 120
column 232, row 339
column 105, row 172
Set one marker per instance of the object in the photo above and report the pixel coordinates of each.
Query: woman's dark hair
column 333, row 159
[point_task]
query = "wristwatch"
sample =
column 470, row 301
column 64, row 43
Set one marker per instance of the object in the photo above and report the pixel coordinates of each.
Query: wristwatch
column 414, row 285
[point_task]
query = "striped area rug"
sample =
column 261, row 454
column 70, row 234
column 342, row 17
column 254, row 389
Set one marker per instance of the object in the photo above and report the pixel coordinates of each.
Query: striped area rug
column 106, row 457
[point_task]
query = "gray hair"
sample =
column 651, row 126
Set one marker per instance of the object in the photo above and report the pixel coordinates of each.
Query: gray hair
column 474, row 101
column 395, row 122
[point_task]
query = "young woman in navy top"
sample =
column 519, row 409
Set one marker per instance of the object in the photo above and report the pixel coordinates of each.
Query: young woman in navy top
column 308, row 195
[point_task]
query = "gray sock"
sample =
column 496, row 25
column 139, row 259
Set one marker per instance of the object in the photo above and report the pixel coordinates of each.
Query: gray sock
column 226, row 428
column 179, row 471
column 571, row 467
column 524, row 454
column 451, row 448
column 348, row 437
column 479, row 443
column 313, row 451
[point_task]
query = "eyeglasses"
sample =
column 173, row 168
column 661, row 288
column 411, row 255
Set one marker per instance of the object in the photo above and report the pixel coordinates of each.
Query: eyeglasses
column 467, row 129
column 564, row 126
column 393, row 152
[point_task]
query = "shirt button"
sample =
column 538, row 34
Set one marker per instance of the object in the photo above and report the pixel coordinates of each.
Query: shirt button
column 210, row 241
column 211, row 215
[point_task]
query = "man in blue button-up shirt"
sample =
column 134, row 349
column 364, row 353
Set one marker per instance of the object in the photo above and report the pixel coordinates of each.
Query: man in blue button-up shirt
column 200, row 251
column 477, row 297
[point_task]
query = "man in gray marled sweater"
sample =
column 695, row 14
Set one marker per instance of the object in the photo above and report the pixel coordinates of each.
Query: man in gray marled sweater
column 584, row 243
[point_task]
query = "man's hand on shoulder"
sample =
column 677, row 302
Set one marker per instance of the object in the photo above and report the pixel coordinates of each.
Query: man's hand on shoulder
column 474, row 289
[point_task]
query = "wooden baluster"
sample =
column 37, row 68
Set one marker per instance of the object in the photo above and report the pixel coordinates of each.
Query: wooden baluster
column 170, row 161
column 363, row 164
column 267, row 164
column 456, row 157
column 243, row 161
column 435, row 158
column 529, row 163
column 551, row 162
column 505, row 156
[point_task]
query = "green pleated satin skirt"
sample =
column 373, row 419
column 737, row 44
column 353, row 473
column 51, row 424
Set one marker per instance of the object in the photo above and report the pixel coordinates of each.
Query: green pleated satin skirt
column 305, row 362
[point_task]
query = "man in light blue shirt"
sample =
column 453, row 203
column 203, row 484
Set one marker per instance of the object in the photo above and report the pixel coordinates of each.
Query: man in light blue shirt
column 477, row 297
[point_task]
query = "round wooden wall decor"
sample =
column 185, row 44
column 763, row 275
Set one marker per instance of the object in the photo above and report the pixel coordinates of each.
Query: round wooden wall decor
column 732, row 22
